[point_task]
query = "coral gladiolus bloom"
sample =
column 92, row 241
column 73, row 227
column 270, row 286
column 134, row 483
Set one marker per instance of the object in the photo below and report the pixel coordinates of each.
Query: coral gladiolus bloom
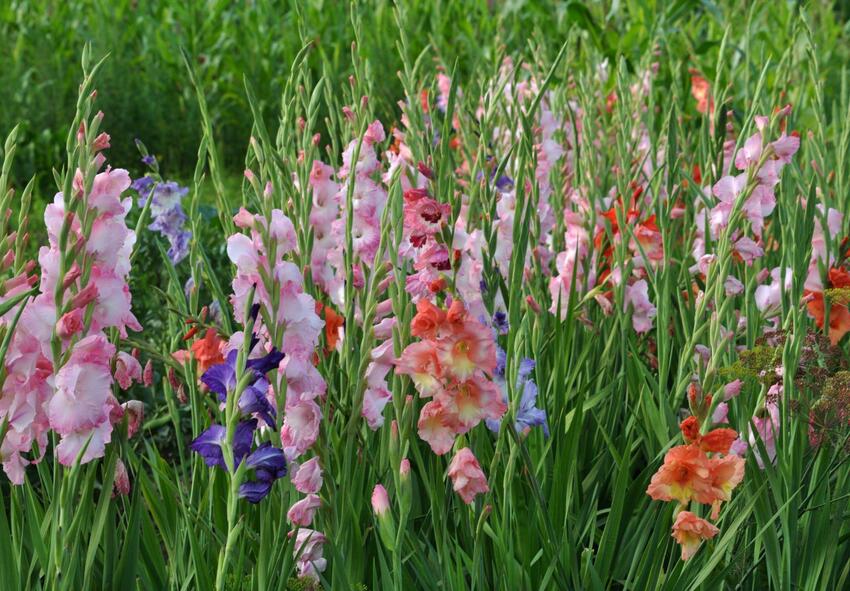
column 467, row 477
column 207, row 351
column 469, row 348
column 427, row 321
column 419, row 361
column 718, row 440
column 689, row 530
column 685, row 476
column 437, row 427
column 726, row 473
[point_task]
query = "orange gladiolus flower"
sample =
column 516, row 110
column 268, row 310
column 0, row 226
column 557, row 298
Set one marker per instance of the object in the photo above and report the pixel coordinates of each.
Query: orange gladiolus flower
column 690, row 429
column 726, row 473
column 701, row 91
column 427, row 321
column 718, row 440
column 690, row 530
column 333, row 322
column 685, row 476
column 839, row 315
column 207, row 351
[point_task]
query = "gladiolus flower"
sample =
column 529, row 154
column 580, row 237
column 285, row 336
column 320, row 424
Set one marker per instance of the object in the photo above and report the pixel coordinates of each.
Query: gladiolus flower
column 122, row 479
column 468, row 348
column 689, row 531
column 419, row 361
column 684, row 476
column 127, row 370
column 726, row 473
column 468, row 480
column 380, row 500
column 308, row 552
column 308, row 478
column 437, row 427
column 208, row 350
column 301, row 513
column 427, row 321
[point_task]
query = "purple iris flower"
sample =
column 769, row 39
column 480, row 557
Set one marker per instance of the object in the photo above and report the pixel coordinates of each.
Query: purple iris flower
column 500, row 322
column 149, row 160
column 221, row 379
column 504, row 184
column 209, row 443
column 268, row 464
column 166, row 212
column 143, row 187
column 528, row 414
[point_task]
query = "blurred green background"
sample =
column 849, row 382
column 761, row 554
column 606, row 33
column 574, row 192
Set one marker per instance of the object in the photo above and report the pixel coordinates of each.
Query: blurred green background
column 145, row 92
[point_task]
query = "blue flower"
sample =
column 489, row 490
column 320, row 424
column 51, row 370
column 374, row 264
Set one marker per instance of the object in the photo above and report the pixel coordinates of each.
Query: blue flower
column 500, row 322
column 209, row 443
column 528, row 415
column 504, row 184
column 268, row 464
column 221, row 379
column 166, row 212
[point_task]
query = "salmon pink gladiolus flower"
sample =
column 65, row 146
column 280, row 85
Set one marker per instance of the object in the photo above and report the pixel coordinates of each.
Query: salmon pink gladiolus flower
column 419, row 361
column 437, row 427
column 468, row 480
column 685, row 476
column 689, row 530
column 467, row 349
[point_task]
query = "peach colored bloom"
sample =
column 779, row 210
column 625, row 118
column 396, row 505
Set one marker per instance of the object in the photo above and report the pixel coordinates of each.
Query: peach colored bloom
column 468, row 348
column 468, row 479
column 456, row 313
column 476, row 399
column 419, row 361
column 685, row 476
column 701, row 91
column 207, row 351
column 726, row 473
column 689, row 530
column 437, row 427
column 427, row 321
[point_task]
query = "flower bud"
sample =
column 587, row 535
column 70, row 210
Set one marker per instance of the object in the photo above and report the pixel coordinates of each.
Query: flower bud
column 380, row 500
column 84, row 297
column 69, row 324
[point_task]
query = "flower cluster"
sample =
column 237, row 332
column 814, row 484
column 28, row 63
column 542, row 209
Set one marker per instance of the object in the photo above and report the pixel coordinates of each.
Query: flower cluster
column 690, row 475
column 452, row 364
column 59, row 364
column 168, row 217
column 289, row 318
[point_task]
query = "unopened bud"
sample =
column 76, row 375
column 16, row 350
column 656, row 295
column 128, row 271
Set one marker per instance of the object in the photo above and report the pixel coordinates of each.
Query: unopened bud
column 71, row 276
column 69, row 324
column 147, row 374
column 8, row 259
column 101, row 142
column 380, row 500
column 85, row 296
